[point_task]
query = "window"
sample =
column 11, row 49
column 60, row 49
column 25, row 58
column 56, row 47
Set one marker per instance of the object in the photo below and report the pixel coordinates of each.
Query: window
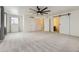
column 14, row 20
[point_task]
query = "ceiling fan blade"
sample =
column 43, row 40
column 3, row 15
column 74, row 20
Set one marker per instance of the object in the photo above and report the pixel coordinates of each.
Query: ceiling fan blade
column 38, row 8
column 43, row 13
column 44, row 9
column 33, row 10
column 47, row 11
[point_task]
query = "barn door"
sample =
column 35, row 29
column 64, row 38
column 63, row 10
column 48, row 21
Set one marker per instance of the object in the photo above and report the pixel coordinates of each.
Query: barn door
column 64, row 24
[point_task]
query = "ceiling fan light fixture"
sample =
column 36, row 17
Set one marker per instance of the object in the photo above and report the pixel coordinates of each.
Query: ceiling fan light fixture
column 41, row 11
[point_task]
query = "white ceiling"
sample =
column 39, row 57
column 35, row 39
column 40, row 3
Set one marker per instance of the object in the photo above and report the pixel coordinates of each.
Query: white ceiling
column 20, row 10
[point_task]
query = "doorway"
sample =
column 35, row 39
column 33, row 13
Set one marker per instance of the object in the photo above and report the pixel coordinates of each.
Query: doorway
column 56, row 24
column 14, row 24
column 39, row 24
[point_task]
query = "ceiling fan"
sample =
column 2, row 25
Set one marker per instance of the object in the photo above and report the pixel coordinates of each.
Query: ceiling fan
column 41, row 11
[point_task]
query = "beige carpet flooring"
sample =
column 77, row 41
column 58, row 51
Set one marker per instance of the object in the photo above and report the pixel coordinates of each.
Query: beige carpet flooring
column 39, row 42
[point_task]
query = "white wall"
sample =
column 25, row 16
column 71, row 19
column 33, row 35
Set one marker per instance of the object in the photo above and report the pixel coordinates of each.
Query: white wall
column 74, row 23
column 51, row 19
column 21, row 23
column 46, row 24
column 29, row 24
column 8, row 22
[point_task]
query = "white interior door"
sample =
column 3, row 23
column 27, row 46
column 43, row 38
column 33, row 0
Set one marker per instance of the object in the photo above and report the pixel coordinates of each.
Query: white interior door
column 64, row 24
column 14, row 24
